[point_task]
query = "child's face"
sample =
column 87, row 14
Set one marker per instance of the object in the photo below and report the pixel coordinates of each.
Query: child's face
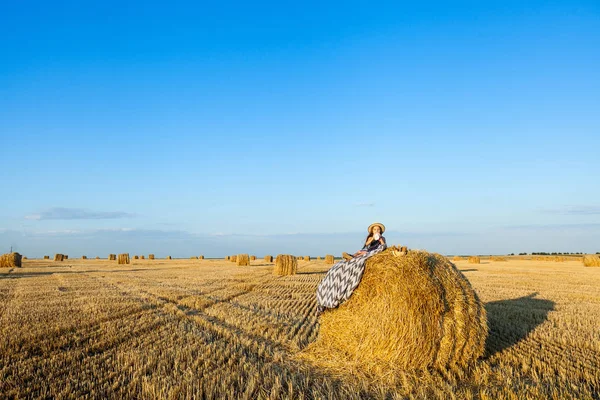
column 376, row 229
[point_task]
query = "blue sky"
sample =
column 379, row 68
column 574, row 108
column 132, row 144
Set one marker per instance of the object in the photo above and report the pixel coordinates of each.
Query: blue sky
column 196, row 128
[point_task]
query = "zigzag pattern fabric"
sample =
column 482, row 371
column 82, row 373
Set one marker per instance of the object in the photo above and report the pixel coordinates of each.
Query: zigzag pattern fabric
column 342, row 279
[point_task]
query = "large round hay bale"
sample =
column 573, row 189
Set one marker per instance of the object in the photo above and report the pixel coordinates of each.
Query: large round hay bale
column 11, row 260
column 243, row 259
column 475, row 260
column 591, row 260
column 169, row 258
column 410, row 312
column 329, row 259
column 150, row 256
column 123, row 258
column 285, row 264
column 268, row 258
column 59, row 257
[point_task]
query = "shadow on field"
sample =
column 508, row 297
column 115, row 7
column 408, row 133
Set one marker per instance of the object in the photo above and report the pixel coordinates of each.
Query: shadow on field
column 510, row 321
column 46, row 273
column 468, row 270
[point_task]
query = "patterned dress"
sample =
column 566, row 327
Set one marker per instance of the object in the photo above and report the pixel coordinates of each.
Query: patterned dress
column 342, row 279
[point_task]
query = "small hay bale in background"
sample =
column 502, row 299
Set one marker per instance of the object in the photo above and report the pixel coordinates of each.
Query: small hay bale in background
column 59, row 257
column 318, row 258
column 24, row 258
column 499, row 259
column 11, row 260
column 112, row 257
column 252, row 258
column 285, row 264
column 410, row 312
column 268, row 258
column 243, row 259
column 233, row 258
column 329, row 259
column 306, row 258
column 142, row 257
column 168, row 257
column 457, row 258
column 97, row 257
column 136, row 257
column 46, row 257
column 150, row 256
column 226, row 258
column 591, row 260
column 123, row 258
column 84, row 257
column 193, row 257
column 66, row 256
column 474, row 260
column 201, row 257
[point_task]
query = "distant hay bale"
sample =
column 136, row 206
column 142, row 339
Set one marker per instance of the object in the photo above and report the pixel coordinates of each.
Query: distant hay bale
column 404, row 249
column 268, row 258
column 475, row 260
column 285, row 264
column 329, row 259
column 193, row 257
column 168, row 257
column 150, row 256
column 252, row 258
column 123, row 258
column 233, row 258
column 97, row 257
column 410, row 312
column 243, row 259
column 136, row 257
column 84, row 257
column 201, row 257
column 59, row 257
column 24, row 258
column 142, row 257
column 11, row 260
column 457, row 258
column 46, row 257
column 496, row 258
column 226, row 258
column 112, row 257
column 66, row 256
column 318, row 258
column 306, row 258
column 591, row 260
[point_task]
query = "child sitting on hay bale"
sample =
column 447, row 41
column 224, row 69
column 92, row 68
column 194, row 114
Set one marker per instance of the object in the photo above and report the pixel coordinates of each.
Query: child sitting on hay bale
column 344, row 276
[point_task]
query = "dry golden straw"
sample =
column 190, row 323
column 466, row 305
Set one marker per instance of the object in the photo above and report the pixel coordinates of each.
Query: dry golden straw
column 252, row 258
column 168, row 257
column 329, row 259
column 233, row 258
column 243, row 259
column 591, row 260
column 112, row 257
column 457, row 258
column 475, row 260
column 410, row 312
column 150, row 256
column 123, row 258
column 142, row 257
column 46, row 257
column 285, row 264
column 66, row 256
column 201, row 257
column 10, row 260
column 193, row 257
column 59, row 257
column 318, row 258
column 84, row 257
column 306, row 258
column 269, row 258
column 136, row 257
column 97, row 257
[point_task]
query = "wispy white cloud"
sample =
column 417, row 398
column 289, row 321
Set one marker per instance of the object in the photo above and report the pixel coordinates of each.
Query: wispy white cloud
column 364, row 204
column 575, row 210
column 65, row 213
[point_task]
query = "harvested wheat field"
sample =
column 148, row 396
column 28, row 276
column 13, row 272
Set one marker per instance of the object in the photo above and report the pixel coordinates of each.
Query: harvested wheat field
column 183, row 328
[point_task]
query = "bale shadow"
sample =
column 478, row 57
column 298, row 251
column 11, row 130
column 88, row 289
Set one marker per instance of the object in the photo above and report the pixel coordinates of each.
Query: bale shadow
column 510, row 321
column 468, row 270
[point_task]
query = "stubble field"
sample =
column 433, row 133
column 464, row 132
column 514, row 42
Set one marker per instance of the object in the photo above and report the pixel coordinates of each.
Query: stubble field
column 211, row 329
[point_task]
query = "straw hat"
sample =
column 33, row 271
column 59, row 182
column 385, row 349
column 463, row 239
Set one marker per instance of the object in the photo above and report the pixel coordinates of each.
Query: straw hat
column 379, row 224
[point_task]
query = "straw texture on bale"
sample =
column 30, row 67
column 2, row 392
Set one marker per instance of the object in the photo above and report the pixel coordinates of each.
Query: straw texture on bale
column 233, row 258
column 201, row 257
column 136, row 257
column 243, row 259
column 10, row 260
column 112, row 257
column 46, row 257
column 59, row 257
column 306, row 258
column 123, row 258
column 591, row 261
column 457, row 258
column 168, row 257
column 285, row 264
column 269, row 258
column 474, row 260
column 413, row 311
column 84, row 257
column 252, row 258
column 150, row 256
column 329, row 259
